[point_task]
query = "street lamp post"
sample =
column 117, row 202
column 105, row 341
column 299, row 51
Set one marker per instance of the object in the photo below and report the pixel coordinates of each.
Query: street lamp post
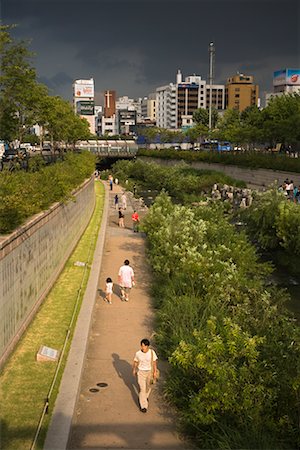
column 211, row 50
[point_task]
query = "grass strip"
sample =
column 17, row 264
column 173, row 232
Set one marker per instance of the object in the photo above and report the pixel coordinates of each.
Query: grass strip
column 24, row 382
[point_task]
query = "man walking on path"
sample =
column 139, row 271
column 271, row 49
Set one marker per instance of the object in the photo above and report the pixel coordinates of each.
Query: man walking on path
column 142, row 363
column 126, row 280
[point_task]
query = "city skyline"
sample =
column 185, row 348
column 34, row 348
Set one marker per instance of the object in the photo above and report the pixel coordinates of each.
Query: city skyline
column 134, row 47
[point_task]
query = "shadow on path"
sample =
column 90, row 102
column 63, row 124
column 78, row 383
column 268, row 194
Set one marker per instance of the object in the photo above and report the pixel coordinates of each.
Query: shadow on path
column 124, row 371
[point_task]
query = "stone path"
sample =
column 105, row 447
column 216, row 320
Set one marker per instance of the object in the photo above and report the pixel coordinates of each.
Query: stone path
column 110, row 417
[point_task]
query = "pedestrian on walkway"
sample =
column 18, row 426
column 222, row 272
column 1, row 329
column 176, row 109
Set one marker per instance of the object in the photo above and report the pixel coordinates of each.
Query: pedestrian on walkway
column 135, row 221
column 126, row 280
column 108, row 290
column 124, row 200
column 121, row 218
column 143, row 360
column 116, row 201
column 111, row 181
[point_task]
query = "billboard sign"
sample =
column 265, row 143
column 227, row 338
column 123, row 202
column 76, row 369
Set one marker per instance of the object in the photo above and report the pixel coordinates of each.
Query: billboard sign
column 287, row 76
column 85, row 108
column 84, row 88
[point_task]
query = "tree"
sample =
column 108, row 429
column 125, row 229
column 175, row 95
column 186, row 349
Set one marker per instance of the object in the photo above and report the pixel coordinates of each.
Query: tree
column 282, row 119
column 201, row 116
column 18, row 87
column 229, row 126
column 197, row 132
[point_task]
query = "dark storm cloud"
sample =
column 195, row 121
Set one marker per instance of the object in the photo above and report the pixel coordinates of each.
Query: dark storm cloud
column 135, row 46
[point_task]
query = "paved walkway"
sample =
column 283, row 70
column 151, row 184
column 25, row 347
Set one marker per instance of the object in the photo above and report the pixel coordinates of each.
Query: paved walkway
column 110, row 417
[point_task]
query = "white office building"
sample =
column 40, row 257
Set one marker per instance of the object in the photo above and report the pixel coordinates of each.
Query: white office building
column 166, row 107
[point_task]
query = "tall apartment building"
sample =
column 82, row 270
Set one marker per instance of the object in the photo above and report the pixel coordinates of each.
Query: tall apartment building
column 191, row 95
column 241, row 92
column 83, row 100
column 166, row 107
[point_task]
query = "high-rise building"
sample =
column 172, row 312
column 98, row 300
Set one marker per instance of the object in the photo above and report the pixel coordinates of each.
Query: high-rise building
column 241, row 92
column 83, row 100
column 191, row 95
column 166, row 107
column 176, row 103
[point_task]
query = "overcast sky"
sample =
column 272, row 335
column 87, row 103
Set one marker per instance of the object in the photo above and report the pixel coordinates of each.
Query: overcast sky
column 134, row 46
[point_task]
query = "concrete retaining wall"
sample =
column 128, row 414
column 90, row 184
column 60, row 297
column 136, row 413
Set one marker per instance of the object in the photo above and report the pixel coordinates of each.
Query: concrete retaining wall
column 31, row 259
column 255, row 178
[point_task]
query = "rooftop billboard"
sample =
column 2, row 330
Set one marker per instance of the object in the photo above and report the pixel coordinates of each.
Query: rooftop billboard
column 286, row 76
column 84, row 88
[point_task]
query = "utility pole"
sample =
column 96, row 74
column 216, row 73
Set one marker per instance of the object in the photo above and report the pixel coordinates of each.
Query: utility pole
column 211, row 50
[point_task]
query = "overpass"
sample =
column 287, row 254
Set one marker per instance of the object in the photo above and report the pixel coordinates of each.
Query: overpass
column 110, row 148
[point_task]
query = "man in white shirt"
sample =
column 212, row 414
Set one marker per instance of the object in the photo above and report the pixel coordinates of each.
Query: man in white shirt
column 126, row 280
column 143, row 360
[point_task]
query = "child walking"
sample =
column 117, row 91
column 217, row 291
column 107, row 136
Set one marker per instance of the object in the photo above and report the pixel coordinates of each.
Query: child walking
column 108, row 290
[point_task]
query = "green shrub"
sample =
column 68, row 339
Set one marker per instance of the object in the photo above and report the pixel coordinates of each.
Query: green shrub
column 233, row 348
column 24, row 194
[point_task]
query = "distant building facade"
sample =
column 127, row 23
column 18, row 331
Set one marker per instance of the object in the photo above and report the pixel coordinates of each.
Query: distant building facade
column 241, row 92
column 148, row 108
column 83, row 101
column 176, row 103
column 285, row 81
column 166, row 106
column 130, row 104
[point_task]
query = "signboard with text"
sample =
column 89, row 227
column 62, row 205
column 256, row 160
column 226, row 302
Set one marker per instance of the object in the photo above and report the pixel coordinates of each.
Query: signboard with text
column 85, row 108
column 84, row 88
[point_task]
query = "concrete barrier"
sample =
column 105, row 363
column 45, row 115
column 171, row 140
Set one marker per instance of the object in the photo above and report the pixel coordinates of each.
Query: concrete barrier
column 31, row 259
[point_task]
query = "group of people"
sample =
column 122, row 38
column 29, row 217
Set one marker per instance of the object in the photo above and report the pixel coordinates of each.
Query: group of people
column 144, row 362
column 121, row 206
column 291, row 191
column 125, row 280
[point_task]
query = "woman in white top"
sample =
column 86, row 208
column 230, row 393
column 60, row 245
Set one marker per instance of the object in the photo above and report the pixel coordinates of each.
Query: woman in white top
column 142, row 362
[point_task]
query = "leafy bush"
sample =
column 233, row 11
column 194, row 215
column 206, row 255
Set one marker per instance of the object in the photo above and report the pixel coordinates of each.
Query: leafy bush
column 274, row 222
column 233, row 348
column 24, row 194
